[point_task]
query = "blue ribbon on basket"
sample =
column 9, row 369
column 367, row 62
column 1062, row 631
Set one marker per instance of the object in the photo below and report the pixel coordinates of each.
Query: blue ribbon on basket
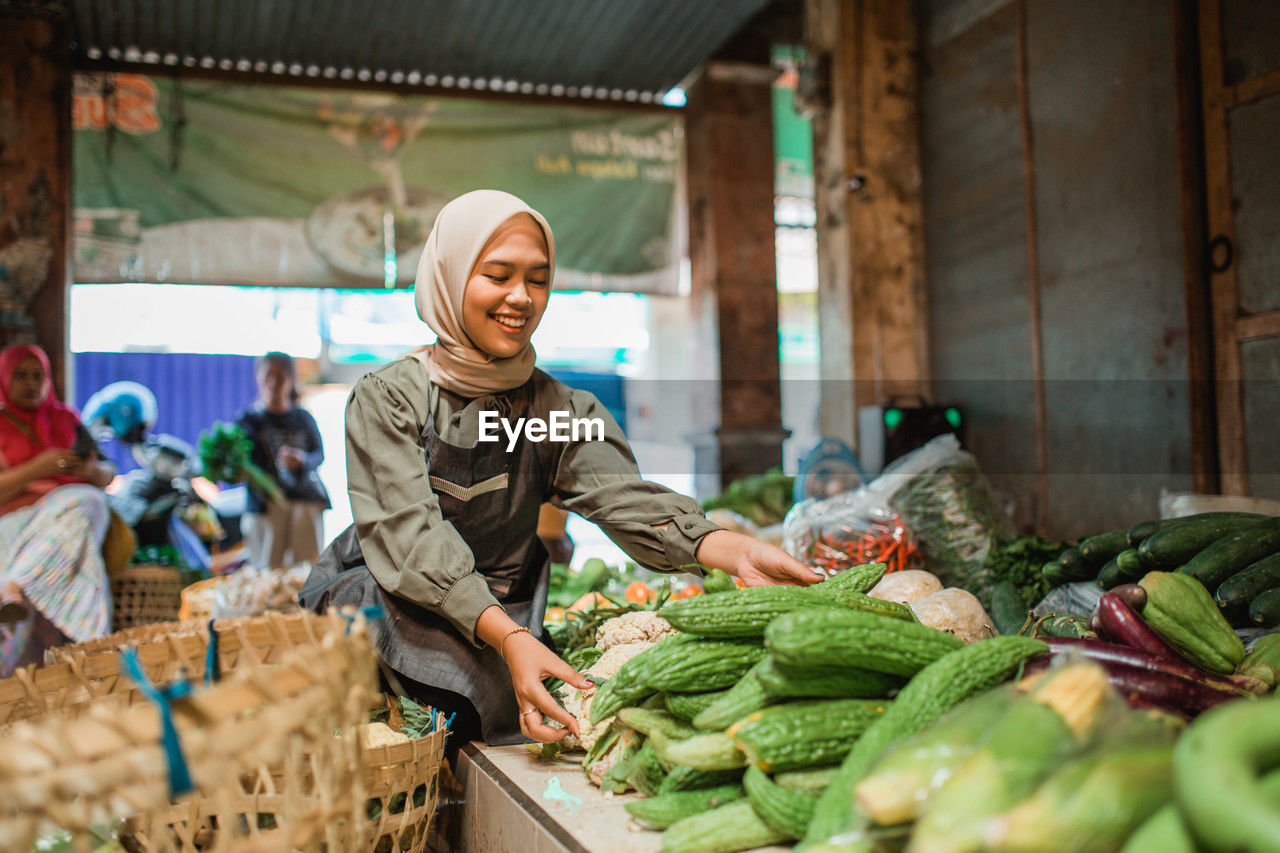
column 179, row 775
column 448, row 727
column 212, row 659
column 372, row 611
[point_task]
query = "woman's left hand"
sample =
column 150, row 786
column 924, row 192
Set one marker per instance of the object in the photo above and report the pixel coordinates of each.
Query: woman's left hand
column 756, row 563
column 530, row 662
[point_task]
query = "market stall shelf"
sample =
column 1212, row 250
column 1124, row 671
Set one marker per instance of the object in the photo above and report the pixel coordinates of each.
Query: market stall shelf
column 517, row 803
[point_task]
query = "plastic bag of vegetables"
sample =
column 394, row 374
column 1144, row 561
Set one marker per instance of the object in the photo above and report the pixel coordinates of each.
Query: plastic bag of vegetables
column 950, row 507
column 846, row 530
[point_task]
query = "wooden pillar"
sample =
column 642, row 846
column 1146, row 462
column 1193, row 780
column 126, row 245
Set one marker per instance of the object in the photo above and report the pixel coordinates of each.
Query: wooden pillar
column 35, row 179
column 729, row 138
column 872, row 293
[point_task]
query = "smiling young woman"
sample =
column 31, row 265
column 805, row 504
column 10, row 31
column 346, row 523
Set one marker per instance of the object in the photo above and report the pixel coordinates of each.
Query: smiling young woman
column 507, row 292
column 445, row 533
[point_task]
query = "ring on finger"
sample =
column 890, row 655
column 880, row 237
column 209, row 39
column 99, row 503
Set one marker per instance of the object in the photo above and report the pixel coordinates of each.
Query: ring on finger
column 530, row 711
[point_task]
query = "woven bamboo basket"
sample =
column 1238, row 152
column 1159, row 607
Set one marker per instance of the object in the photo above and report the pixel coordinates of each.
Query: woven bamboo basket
column 77, row 675
column 145, row 594
column 89, row 762
column 403, row 785
column 400, row 780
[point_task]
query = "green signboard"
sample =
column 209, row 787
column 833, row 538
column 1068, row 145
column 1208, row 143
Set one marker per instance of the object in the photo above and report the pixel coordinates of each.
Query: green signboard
column 209, row 182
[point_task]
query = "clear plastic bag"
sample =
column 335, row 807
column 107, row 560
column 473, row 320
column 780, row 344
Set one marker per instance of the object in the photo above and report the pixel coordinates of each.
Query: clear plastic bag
column 1180, row 504
column 252, row 592
column 951, row 509
column 934, row 496
column 847, row 530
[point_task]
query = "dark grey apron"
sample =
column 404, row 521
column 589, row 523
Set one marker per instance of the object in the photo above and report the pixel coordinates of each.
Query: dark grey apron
column 491, row 496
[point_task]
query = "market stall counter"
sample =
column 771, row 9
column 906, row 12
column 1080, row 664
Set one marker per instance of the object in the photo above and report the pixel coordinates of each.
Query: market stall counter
column 519, row 803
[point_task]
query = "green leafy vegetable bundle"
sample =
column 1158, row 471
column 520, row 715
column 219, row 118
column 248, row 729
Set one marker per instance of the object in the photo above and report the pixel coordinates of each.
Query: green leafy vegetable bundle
column 226, row 453
column 763, row 499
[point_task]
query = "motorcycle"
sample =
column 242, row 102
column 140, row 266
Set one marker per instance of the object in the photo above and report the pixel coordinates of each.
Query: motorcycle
column 156, row 499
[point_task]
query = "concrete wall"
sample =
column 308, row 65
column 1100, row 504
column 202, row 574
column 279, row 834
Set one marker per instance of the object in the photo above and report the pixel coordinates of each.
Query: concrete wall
column 1103, row 118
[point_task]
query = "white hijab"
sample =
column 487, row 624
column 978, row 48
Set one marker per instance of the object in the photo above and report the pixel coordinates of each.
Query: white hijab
column 459, row 235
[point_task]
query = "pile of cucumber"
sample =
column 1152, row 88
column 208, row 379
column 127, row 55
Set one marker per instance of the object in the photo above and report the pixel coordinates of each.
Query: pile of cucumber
column 1236, row 555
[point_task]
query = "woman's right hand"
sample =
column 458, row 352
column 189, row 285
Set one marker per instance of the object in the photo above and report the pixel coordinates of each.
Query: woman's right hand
column 55, row 462
column 529, row 662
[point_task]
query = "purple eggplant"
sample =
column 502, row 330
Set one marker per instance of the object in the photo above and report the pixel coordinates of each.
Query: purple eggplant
column 1145, row 687
column 1110, row 654
column 1131, row 594
column 1121, row 624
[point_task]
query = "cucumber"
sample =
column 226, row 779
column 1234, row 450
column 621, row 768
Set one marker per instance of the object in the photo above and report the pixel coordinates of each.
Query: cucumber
column 1265, row 609
column 1233, row 553
column 1098, row 549
column 1174, row 545
column 1073, row 566
column 1235, row 593
column 1143, row 529
column 1052, row 572
column 1008, row 610
column 1122, row 568
column 1130, row 565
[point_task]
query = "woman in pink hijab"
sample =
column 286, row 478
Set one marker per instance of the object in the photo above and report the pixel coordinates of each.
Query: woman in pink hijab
column 53, row 517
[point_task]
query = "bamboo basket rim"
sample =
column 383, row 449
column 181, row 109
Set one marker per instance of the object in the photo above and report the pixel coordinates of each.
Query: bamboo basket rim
column 62, row 769
column 81, row 676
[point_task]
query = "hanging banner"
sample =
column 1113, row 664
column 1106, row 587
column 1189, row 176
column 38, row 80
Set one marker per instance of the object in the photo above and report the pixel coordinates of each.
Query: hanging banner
column 213, row 183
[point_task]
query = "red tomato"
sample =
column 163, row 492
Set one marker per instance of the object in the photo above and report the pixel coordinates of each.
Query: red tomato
column 639, row 593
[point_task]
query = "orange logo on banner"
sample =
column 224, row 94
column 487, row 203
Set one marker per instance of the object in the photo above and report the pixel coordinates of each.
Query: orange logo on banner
column 132, row 107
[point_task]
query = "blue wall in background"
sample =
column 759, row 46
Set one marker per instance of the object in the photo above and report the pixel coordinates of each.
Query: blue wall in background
column 607, row 387
column 194, row 390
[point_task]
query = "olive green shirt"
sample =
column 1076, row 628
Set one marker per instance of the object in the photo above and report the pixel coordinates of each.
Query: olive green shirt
column 415, row 554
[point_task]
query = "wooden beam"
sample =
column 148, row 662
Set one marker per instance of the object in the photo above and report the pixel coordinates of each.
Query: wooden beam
column 35, row 180
column 885, row 209
column 825, row 84
column 1195, row 283
column 1252, row 90
column 1258, row 326
column 1040, row 512
column 729, row 137
column 1224, row 286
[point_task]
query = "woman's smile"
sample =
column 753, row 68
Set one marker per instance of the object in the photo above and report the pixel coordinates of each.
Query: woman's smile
column 510, row 321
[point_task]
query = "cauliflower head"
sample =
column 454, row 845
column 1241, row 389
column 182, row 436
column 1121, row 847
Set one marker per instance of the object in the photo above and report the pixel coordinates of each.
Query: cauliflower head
column 639, row 626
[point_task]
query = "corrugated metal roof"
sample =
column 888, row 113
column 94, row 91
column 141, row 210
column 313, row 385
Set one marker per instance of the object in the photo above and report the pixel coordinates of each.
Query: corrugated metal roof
column 610, row 49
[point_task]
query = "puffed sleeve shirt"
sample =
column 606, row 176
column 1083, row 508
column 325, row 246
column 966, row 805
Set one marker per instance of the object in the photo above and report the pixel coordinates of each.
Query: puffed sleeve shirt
column 415, row 554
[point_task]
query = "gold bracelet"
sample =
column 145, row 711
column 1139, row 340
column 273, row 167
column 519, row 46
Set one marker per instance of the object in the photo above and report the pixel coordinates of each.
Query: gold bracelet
column 502, row 644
